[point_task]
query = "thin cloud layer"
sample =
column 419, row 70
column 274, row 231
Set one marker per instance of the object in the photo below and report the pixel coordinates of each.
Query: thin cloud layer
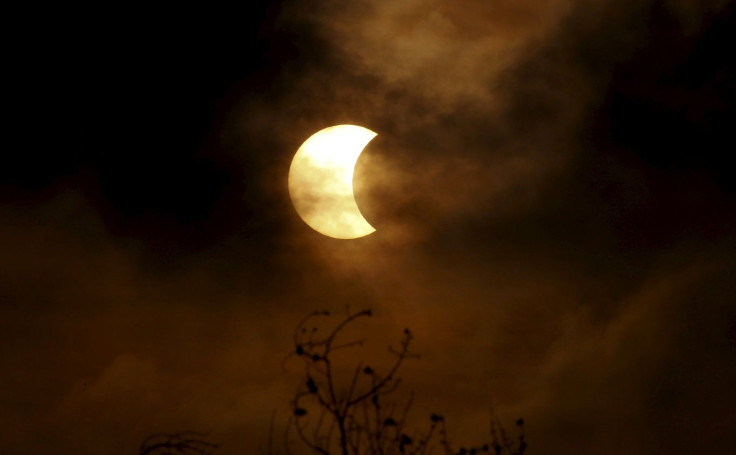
column 549, row 266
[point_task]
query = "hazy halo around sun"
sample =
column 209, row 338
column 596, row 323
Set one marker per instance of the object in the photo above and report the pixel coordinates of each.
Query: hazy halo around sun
column 321, row 181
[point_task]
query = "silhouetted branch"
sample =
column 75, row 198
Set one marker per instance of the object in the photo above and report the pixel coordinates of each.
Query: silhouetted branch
column 353, row 418
column 182, row 443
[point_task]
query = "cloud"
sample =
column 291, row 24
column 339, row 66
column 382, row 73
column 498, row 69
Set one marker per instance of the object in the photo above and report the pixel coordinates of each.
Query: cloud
column 543, row 269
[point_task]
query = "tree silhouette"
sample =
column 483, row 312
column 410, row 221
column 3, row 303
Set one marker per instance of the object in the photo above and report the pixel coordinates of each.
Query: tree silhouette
column 357, row 416
column 182, row 443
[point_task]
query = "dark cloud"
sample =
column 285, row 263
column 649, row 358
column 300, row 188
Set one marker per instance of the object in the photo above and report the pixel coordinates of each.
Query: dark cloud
column 555, row 219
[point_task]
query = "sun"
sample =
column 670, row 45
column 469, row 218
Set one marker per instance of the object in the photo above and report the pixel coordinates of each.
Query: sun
column 321, row 181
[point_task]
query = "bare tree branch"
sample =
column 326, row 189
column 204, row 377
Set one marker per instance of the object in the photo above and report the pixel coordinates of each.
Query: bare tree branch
column 182, row 443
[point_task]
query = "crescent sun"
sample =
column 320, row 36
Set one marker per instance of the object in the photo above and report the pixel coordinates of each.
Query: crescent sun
column 321, row 181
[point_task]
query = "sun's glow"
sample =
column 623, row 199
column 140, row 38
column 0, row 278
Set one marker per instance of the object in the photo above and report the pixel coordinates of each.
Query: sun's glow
column 321, row 181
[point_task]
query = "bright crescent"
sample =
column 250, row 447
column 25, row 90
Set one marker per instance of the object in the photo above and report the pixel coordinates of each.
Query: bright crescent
column 321, row 181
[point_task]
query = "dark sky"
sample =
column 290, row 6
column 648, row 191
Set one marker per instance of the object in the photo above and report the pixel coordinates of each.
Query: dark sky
column 551, row 187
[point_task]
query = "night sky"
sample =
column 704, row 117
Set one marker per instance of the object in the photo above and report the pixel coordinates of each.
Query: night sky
column 551, row 185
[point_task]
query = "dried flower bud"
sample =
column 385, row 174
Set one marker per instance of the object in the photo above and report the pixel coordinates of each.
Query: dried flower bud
column 311, row 385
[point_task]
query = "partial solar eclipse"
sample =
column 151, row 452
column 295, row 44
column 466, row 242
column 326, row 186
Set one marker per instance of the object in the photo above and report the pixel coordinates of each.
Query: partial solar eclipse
column 321, row 181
